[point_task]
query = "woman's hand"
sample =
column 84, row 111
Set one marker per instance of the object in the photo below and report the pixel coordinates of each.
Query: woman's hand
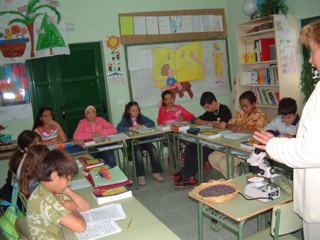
column 263, row 137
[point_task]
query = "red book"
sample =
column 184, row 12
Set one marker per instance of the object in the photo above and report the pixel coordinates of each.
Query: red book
column 264, row 44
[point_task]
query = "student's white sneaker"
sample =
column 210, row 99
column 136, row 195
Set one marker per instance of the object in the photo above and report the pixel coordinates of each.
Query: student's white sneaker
column 141, row 181
column 158, row 177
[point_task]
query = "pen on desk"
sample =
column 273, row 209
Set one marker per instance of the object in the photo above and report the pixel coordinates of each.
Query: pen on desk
column 129, row 224
column 101, row 175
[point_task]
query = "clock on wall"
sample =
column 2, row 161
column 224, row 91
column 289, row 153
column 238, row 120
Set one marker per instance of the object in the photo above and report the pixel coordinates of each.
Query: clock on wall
column 113, row 42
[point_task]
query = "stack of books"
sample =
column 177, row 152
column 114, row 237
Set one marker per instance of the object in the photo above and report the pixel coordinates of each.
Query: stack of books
column 111, row 184
column 180, row 127
column 88, row 163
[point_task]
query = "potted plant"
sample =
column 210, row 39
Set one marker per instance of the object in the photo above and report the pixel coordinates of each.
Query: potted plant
column 309, row 78
column 270, row 7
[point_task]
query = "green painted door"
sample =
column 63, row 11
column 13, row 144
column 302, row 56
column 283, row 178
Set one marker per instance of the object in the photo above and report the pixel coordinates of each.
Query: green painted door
column 67, row 83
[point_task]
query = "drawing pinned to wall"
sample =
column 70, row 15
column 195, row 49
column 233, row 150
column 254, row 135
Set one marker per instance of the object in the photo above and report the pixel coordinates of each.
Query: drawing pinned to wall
column 116, row 79
column 31, row 29
column 174, row 69
column 113, row 42
column 14, row 87
column 219, row 63
column 185, row 68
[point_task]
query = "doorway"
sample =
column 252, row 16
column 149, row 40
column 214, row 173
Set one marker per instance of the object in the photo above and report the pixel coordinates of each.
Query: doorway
column 67, row 83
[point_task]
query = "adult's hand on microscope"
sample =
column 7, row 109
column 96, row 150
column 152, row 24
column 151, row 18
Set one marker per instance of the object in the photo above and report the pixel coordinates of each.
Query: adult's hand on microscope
column 262, row 137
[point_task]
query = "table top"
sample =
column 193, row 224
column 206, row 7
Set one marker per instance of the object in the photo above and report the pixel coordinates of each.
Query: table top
column 143, row 222
column 239, row 208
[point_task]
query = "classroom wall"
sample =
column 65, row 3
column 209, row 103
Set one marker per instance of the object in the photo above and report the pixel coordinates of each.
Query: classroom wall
column 95, row 19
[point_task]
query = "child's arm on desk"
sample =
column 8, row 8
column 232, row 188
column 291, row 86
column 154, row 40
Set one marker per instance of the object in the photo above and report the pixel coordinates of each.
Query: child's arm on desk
column 74, row 220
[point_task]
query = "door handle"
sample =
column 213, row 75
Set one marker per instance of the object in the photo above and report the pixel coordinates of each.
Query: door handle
column 63, row 112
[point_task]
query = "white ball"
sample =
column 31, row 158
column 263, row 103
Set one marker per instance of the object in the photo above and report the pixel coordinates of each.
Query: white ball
column 249, row 7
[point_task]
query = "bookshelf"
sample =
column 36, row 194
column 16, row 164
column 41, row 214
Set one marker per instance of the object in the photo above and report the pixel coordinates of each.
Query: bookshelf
column 262, row 57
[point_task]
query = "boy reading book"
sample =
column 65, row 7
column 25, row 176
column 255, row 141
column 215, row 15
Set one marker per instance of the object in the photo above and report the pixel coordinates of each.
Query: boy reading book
column 53, row 204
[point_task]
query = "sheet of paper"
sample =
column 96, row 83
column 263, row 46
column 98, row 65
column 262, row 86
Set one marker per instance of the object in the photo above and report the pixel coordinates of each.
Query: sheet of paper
column 152, row 25
column 94, row 231
column 139, row 25
column 109, row 212
column 82, row 183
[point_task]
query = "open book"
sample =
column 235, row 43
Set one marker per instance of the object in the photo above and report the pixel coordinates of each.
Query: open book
column 100, row 221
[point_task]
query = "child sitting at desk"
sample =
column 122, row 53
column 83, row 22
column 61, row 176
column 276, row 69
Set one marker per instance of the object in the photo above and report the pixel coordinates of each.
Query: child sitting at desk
column 286, row 124
column 216, row 115
column 93, row 126
column 28, row 179
column 53, row 204
column 47, row 128
column 248, row 120
column 169, row 112
column 133, row 119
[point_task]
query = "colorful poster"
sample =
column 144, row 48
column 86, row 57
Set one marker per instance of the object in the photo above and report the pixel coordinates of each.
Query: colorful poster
column 31, row 29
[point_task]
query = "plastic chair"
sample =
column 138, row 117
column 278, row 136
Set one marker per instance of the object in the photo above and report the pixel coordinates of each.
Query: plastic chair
column 283, row 222
column 22, row 228
column 21, row 196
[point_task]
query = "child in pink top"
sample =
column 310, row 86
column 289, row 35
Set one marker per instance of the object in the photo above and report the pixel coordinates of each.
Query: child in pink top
column 170, row 112
column 94, row 126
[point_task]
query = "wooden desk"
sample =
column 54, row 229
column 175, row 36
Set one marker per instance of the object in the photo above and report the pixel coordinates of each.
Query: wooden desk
column 144, row 224
column 238, row 209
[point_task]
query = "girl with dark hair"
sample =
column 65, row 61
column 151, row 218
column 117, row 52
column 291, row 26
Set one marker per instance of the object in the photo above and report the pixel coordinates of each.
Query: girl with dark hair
column 133, row 119
column 45, row 125
column 25, row 140
column 28, row 181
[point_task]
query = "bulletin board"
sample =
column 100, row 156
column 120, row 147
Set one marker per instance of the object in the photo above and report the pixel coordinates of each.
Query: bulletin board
column 186, row 68
column 172, row 26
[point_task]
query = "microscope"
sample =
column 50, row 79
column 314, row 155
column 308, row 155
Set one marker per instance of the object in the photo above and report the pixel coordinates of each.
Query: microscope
column 259, row 165
column 264, row 191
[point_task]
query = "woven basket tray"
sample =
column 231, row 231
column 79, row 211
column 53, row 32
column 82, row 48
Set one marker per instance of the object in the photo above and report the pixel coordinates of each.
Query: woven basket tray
column 217, row 199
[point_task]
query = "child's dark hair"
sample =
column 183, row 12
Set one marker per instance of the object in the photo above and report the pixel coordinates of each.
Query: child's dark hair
column 163, row 94
column 127, row 115
column 34, row 156
column 25, row 139
column 38, row 122
column 56, row 160
column 248, row 95
column 287, row 106
column 207, row 98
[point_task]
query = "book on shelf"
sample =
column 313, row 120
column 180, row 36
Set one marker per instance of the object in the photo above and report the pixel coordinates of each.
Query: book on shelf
column 180, row 127
column 143, row 130
column 264, row 46
column 100, row 179
column 248, row 144
column 209, row 134
column 272, row 97
column 249, row 77
column 89, row 163
column 102, row 196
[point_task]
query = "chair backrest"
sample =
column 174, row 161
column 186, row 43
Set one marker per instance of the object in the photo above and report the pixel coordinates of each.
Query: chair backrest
column 22, row 228
column 284, row 220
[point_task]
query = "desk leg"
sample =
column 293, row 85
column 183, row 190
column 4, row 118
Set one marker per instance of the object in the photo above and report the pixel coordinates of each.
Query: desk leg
column 200, row 221
column 200, row 161
column 135, row 179
column 241, row 230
